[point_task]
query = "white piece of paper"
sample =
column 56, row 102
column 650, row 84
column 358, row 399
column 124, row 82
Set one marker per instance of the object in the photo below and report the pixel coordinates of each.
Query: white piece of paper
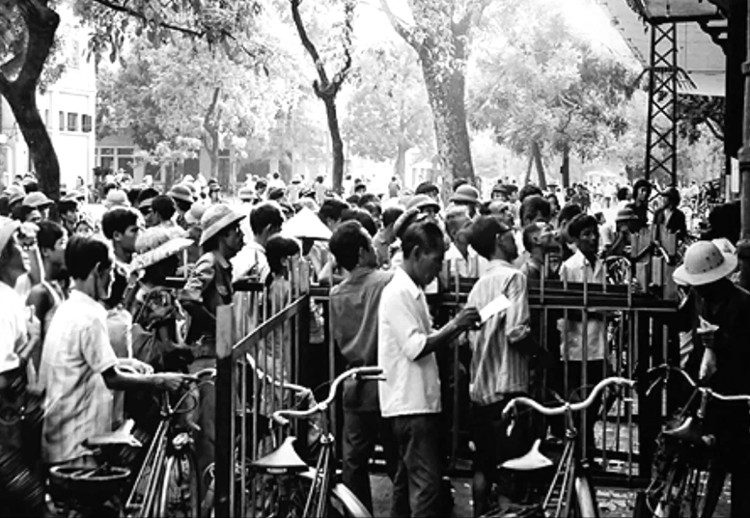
column 495, row 306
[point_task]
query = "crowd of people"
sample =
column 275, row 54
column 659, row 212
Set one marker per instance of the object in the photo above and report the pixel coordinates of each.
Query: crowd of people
column 104, row 302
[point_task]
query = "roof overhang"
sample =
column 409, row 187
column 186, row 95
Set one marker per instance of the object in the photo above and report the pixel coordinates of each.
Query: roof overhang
column 698, row 55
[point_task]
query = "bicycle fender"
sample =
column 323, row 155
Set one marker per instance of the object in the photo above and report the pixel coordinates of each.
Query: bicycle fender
column 343, row 494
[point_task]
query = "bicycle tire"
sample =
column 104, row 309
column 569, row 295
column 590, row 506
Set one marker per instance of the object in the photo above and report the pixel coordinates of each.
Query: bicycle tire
column 179, row 496
column 585, row 498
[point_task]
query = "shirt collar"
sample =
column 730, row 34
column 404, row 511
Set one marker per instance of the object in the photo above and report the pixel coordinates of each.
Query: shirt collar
column 358, row 272
column 400, row 276
column 221, row 261
column 498, row 263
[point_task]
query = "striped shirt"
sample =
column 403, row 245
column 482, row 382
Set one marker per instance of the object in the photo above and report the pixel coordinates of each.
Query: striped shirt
column 497, row 368
column 76, row 352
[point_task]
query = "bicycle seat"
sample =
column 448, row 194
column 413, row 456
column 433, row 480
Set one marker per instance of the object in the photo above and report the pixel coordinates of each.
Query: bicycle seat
column 689, row 431
column 529, row 462
column 120, row 437
column 282, row 460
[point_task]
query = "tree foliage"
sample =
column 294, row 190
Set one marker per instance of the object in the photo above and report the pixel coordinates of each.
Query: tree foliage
column 540, row 87
column 387, row 113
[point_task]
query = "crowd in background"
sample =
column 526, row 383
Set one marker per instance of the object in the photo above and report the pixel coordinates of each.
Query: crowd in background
column 109, row 295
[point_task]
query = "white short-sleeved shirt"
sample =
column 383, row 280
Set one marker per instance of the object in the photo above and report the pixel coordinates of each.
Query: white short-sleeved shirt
column 574, row 270
column 250, row 261
column 13, row 331
column 412, row 386
column 76, row 352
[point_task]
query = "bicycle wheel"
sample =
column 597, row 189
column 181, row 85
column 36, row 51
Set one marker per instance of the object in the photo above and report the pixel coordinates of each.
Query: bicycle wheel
column 341, row 501
column 585, row 499
column 180, row 495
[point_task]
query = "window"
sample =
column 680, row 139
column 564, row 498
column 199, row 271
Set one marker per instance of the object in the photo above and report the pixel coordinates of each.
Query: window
column 62, row 121
column 86, row 123
column 72, row 122
column 119, row 159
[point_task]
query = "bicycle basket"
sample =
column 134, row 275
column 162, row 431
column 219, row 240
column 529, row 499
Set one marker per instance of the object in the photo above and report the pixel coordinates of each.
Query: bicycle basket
column 87, row 482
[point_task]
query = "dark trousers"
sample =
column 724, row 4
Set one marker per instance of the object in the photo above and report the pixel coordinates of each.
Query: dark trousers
column 362, row 430
column 416, row 486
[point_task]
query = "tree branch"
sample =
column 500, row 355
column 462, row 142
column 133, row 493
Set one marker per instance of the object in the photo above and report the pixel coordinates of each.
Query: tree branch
column 716, row 133
column 309, row 47
column 41, row 24
column 340, row 76
column 400, row 27
column 122, row 8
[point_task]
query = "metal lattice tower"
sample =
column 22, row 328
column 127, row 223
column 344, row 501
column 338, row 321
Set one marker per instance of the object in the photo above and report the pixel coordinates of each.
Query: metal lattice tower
column 661, row 133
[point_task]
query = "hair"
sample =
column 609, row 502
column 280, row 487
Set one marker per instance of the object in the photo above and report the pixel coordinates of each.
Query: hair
column 133, row 195
column 64, row 206
column 579, row 223
column 48, row 234
column 484, row 230
column 529, row 190
column 353, row 200
column 673, row 195
column 528, row 233
column 535, row 204
column 277, row 248
column 164, row 206
column 623, row 193
column 374, row 208
column 263, row 215
column 346, row 242
column 83, row 254
column 183, row 205
column 424, row 234
column 261, row 184
column 118, row 220
column 725, row 221
column 363, row 217
column 638, row 184
column 145, row 194
column 4, row 206
column 568, row 212
column 30, row 186
column 275, row 193
column 368, row 197
column 360, row 187
column 332, row 209
column 426, row 188
column 391, row 214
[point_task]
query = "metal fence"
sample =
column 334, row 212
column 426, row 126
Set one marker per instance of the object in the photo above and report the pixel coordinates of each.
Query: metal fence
column 259, row 337
column 264, row 335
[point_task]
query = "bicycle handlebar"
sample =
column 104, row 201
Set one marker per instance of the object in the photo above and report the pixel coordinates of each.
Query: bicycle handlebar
column 575, row 407
column 704, row 390
column 357, row 372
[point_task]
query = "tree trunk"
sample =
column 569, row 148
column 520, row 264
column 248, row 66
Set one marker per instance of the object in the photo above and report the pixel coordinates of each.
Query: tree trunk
column 565, row 168
column 529, row 165
column 446, row 96
column 41, row 24
column 536, row 152
column 43, row 156
column 399, row 167
column 337, row 144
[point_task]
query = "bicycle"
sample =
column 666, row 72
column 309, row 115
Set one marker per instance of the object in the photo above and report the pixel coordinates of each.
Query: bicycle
column 167, row 483
column 299, row 490
column 679, row 485
column 570, row 493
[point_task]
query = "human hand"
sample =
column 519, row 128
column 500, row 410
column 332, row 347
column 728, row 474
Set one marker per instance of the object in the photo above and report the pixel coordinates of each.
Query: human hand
column 135, row 365
column 468, row 318
column 172, row 381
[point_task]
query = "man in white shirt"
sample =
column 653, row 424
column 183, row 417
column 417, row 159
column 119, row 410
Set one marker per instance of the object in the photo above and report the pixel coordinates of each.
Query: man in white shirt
column 22, row 490
column 265, row 220
column 584, row 264
column 78, row 363
column 410, row 396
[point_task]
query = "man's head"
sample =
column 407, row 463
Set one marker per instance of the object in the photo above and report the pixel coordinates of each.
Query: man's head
column 162, row 209
column 467, row 196
column 456, row 218
column 68, row 210
column 330, row 212
column 265, row 220
column 220, row 230
column 538, row 237
column 529, row 190
column 121, row 226
column 641, row 191
column 430, row 189
column 493, row 239
column 364, row 218
column 360, row 189
column 390, row 215
column 534, row 208
column 706, row 268
column 423, row 246
column 584, row 231
column 351, row 245
column 14, row 261
column 278, row 250
column 670, row 198
column 89, row 262
column 52, row 240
